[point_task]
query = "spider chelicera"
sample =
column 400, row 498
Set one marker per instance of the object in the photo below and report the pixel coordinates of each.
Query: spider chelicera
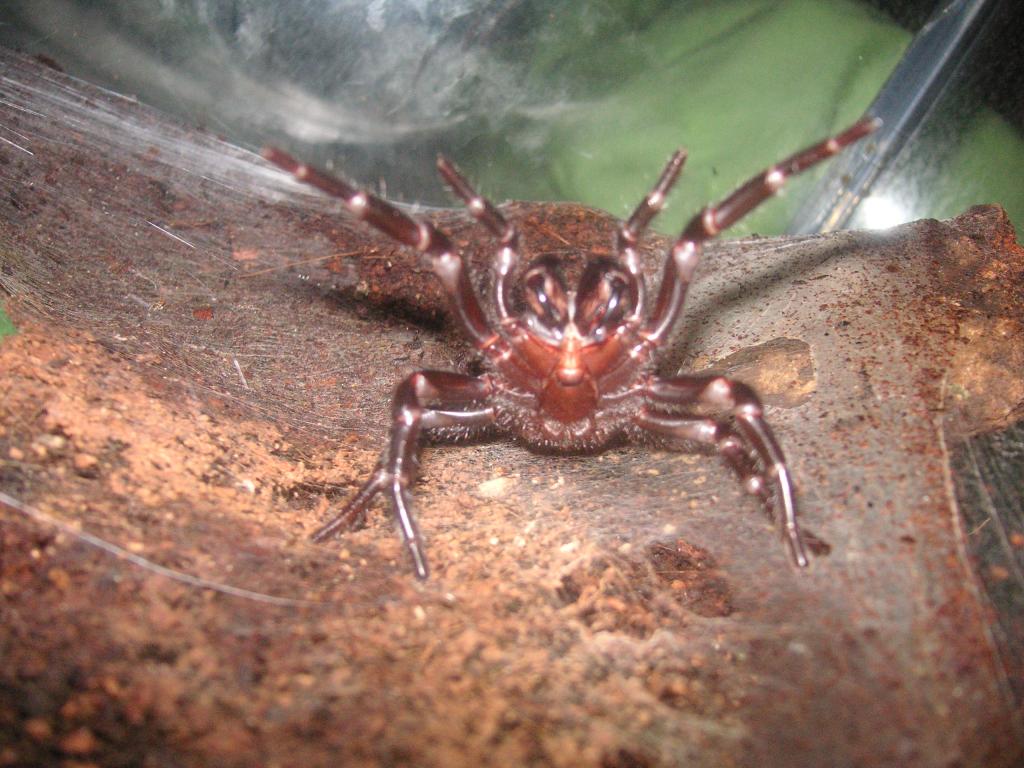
column 575, row 369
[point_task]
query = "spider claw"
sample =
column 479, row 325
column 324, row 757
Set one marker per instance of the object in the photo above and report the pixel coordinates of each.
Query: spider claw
column 796, row 548
column 353, row 514
column 323, row 533
column 345, row 521
column 419, row 559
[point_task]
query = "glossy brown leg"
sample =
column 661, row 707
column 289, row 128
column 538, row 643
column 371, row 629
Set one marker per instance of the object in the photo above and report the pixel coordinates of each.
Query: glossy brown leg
column 436, row 247
column 397, row 467
column 716, row 434
column 485, row 212
column 746, row 410
column 685, row 253
column 634, row 227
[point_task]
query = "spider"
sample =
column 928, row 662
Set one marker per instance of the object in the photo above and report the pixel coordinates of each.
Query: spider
column 575, row 369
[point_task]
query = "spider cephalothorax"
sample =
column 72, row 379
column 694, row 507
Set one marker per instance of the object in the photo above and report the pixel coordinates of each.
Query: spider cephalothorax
column 575, row 369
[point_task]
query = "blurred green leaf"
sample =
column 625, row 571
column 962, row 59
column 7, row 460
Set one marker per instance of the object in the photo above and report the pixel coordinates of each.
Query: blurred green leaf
column 6, row 326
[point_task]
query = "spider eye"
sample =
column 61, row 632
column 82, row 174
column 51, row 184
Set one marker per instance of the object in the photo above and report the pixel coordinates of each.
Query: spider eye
column 607, row 295
column 545, row 293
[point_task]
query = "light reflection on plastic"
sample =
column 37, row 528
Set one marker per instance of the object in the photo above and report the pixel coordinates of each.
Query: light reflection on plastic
column 880, row 212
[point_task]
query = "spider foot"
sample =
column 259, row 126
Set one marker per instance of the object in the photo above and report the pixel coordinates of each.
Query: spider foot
column 346, row 520
column 395, row 487
column 795, row 543
column 772, row 485
column 787, row 509
column 353, row 514
column 779, row 505
column 419, row 558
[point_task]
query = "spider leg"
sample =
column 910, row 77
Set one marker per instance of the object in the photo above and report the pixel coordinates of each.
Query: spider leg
column 748, row 413
column 717, row 434
column 631, row 230
column 685, row 253
column 397, row 467
column 436, row 247
column 485, row 212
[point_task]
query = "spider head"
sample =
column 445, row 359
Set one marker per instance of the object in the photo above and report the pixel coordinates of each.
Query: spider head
column 605, row 298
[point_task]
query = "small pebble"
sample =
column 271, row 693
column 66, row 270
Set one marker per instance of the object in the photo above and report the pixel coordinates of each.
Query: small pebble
column 85, row 463
column 79, row 742
column 53, row 442
column 38, row 729
column 59, row 578
column 495, row 488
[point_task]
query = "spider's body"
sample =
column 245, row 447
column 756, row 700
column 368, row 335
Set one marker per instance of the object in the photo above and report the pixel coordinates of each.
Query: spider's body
column 572, row 383
column 575, row 369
